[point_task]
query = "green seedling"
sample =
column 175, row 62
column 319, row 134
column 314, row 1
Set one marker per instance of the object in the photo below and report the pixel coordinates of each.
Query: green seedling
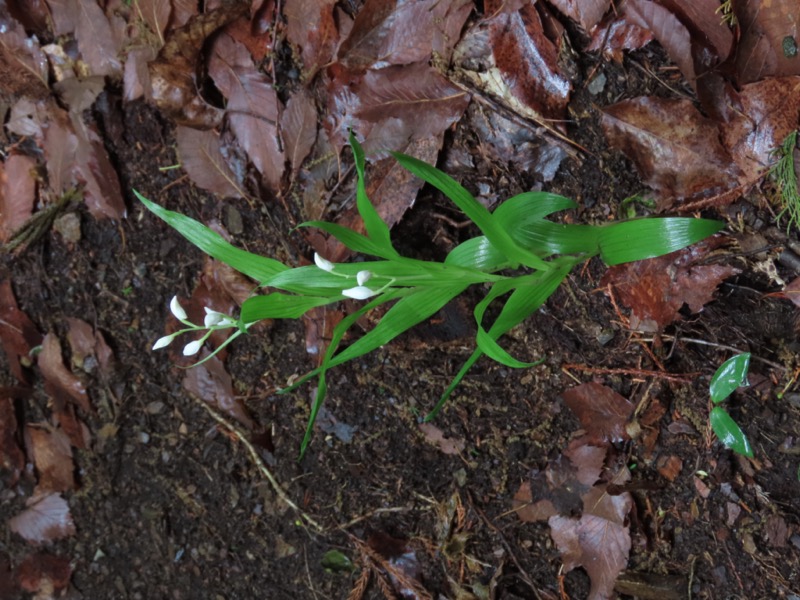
column 732, row 374
column 521, row 258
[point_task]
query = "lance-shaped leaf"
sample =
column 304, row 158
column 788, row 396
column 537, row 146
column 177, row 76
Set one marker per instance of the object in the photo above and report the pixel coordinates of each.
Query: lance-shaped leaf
column 729, row 432
column 730, row 375
column 280, row 306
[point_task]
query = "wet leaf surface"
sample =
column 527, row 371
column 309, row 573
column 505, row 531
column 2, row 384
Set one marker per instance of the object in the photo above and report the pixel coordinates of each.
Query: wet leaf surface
column 603, row 413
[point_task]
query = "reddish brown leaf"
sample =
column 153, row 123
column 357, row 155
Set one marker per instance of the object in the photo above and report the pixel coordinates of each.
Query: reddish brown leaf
column 657, row 288
column 676, row 150
column 84, row 343
column 792, row 291
column 211, row 383
column 619, row 34
column 46, row 519
column 17, row 193
column 587, row 13
column 669, row 467
column 299, row 128
column 703, row 21
column 93, row 168
column 44, row 574
column 60, row 150
column 23, row 65
column 769, row 39
column 669, row 32
column 509, row 57
column 52, row 455
column 18, row 334
column 529, row 511
column 96, row 40
column 201, row 157
column 253, row 107
column 58, row 379
column 311, row 27
column 12, row 460
column 156, row 14
column 603, row 413
column 401, row 32
column 434, row 435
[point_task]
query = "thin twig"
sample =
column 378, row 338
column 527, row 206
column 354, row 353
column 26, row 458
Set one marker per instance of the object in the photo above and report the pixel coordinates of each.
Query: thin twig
column 240, row 435
column 686, row 377
column 700, row 342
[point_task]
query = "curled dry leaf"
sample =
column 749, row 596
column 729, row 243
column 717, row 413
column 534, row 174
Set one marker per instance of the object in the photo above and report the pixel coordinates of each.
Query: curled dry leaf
column 657, row 288
column 17, row 193
column 201, row 157
column 253, row 108
column 603, row 413
column 676, row 150
column 46, row 519
column 211, row 383
column 52, row 455
column 59, row 381
column 12, row 460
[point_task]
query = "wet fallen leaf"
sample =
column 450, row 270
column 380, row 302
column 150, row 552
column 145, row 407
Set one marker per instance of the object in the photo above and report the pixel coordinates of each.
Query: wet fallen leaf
column 17, row 193
column 587, row 13
column 656, row 289
column 618, row 34
column 23, row 65
column 769, row 39
column 45, row 575
column 434, row 435
column 310, row 25
column 253, row 108
column 211, row 383
column 46, row 519
column 707, row 29
column 12, row 460
column 201, row 157
column 156, row 14
column 676, row 150
column 93, row 168
column 58, row 379
column 51, row 453
column 299, row 128
column 97, row 41
column 18, row 334
column 603, row 413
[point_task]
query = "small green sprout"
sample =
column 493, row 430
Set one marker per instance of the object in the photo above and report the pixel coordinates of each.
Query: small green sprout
column 521, row 256
column 785, row 176
column 731, row 375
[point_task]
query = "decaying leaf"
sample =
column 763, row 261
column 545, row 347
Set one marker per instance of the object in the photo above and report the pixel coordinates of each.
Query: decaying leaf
column 86, row 343
column 44, row 574
column 12, row 460
column 676, row 150
column 52, row 455
column 18, row 334
column 17, row 193
column 156, row 14
column 211, row 383
column 201, row 157
column 707, row 29
column 59, row 381
column 587, row 13
column 310, row 25
column 603, row 413
column 617, row 34
column 299, row 128
column 656, row 289
column 23, row 65
column 96, row 38
column 769, row 41
column 253, row 109
column 46, row 519
column 435, row 436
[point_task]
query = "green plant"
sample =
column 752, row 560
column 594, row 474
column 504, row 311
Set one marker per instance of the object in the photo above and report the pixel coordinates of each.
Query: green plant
column 520, row 255
column 731, row 375
column 785, row 178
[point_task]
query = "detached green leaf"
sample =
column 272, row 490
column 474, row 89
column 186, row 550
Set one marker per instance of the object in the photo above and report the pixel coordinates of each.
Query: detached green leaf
column 729, row 433
column 629, row 241
column 730, row 375
column 258, row 267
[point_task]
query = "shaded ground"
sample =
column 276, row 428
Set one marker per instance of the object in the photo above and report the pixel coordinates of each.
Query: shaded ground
column 172, row 505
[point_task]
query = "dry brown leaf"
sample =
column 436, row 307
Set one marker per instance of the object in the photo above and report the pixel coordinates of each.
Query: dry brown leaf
column 211, row 383
column 45, row 575
column 58, row 379
column 85, row 342
column 51, row 453
column 253, row 109
column 792, row 291
column 156, row 14
column 603, row 413
column 657, row 288
column 17, row 193
column 703, row 21
column 310, row 26
column 18, row 334
column 65, row 15
column 12, row 460
column 46, row 519
column 96, row 40
column 93, row 168
column 60, row 150
column 768, row 46
column 23, row 65
column 299, row 128
column 676, row 150
column 136, row 79
column 586, row 13
column 201, row 157
column 434, row 435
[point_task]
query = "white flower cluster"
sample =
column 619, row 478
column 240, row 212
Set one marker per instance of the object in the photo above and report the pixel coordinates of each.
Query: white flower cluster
column 213, row 321
column 361, row 291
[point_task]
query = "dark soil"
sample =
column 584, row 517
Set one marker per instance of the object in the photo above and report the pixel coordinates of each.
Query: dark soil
column 172, row 504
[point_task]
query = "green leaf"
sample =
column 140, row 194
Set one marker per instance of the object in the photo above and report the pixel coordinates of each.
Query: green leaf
column 377, row 229
column 352, row 239
column 475, row 211
column 729, row 433
column 280, row 306
column 477, row 253
column 546, row 237
column 258, row 267
column 730, row 375
column 335, row 561
column 531, row 206
column 629, row 241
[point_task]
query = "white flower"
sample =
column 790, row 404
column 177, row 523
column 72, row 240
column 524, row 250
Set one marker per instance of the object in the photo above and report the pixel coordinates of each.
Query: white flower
column 363, row 277
column 323, row 263
column 192, row 348
column 214, row 318
column 177, row 309
column 360, row 292
column 163, row 342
